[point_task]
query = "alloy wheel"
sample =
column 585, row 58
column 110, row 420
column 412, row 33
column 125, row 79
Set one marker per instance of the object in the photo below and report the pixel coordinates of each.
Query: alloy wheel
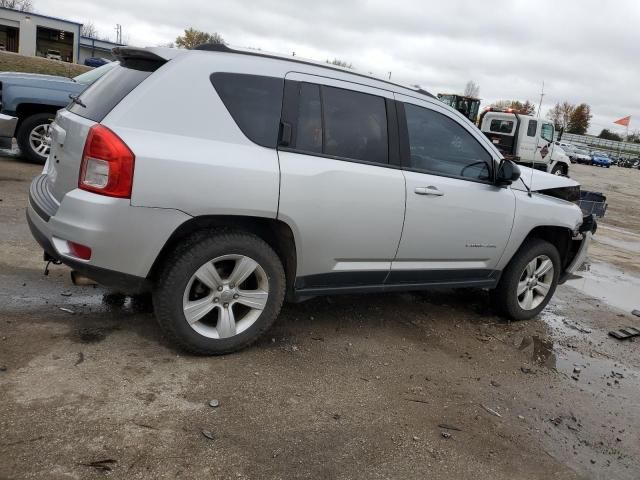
column 535, row 282
column 40, row 139
column 225, row 296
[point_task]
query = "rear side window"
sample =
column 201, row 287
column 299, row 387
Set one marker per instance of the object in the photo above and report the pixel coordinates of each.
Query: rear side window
column 309, row 128
column 355, row 125
column 342, row 123
column 532, row 128
column 254, row 102
column 106, row 92
column 501, row 126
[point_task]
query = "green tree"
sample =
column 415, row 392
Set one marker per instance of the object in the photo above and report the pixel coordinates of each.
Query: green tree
column 192, row 38
column 609, row 135
column 579, row 119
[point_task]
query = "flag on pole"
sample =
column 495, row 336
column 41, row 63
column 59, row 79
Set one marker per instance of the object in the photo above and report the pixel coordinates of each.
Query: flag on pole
column 623, row 121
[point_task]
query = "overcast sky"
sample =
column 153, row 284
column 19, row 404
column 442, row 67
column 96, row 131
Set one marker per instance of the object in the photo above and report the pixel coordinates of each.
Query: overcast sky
column 584, row 50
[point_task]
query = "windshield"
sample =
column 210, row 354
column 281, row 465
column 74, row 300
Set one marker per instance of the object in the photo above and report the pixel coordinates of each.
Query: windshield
column 92, row 75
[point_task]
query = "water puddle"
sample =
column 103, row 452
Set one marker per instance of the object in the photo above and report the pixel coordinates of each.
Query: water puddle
column 609, row 284
column 593, row 371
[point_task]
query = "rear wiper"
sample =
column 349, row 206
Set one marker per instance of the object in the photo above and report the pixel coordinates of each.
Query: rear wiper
column 77, row 101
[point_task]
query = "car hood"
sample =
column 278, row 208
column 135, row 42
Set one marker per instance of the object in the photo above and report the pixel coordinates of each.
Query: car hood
column 538, row 181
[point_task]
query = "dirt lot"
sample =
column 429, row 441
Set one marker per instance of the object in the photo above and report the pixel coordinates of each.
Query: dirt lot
column 342, row 387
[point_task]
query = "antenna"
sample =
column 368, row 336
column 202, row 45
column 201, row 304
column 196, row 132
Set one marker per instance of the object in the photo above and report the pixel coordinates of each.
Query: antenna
column 541, row 97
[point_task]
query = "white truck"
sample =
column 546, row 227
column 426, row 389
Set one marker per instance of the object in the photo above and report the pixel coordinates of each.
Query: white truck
column 525, row 139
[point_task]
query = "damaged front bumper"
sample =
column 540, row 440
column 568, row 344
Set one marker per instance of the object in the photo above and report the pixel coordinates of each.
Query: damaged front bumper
column 582, row 239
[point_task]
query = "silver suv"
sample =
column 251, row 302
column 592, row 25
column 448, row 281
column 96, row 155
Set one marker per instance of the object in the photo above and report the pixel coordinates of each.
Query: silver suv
column 226, row 180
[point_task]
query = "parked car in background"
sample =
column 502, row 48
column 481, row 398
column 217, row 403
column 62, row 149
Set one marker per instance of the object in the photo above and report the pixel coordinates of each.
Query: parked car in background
column 600, row 160
column 575, row 154
column 96, row 62
column 28, row 105
column 53, row 55
column 274, row 177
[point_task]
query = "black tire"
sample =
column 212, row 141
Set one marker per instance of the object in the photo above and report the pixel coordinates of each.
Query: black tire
column 178, row 269
column 505, row 296
column 25, row 129
column 559, row 168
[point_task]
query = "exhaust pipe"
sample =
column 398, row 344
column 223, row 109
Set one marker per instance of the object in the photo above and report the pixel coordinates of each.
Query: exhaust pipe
column 80, row 280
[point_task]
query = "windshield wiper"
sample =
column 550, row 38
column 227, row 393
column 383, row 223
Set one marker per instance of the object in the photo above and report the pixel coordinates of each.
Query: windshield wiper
column 77, row 101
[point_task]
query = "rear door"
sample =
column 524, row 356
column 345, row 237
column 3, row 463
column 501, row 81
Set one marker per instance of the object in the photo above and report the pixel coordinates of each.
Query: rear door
column 457, row 222
column 341, row 189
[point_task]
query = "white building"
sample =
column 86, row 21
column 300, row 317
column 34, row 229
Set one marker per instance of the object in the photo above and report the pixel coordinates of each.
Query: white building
column 33, row 34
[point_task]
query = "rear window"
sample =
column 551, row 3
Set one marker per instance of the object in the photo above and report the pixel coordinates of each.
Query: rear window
column 501, row 126
column 106, row 92
column 254, row 102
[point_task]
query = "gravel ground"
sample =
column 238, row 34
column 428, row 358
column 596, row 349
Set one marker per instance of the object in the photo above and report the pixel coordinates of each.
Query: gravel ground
column 420, row 385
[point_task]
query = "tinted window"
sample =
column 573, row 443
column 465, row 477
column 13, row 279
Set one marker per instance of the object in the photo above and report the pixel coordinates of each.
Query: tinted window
column 106, row 92
column 501, row 126
column 254, row 102
column 532, row 128
column 309, row 127
column 355, row 125
column 546, row 132
column 440, row 145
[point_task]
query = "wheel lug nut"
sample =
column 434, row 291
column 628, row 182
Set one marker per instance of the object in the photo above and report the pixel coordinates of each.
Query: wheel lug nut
column 236, row 296
column 226, row 305
column 216, row 300
column 219, row 289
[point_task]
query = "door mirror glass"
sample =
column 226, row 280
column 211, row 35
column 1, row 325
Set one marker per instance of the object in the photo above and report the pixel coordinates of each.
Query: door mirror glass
column 508, row 172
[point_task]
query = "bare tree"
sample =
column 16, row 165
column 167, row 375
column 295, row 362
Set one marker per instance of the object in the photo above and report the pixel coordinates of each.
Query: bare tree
column 471, row 89
column 89, row 30
column 22, row 5
column 560, row 114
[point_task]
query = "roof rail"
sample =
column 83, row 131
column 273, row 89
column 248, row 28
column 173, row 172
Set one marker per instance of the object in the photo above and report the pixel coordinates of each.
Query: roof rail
column 219, row 47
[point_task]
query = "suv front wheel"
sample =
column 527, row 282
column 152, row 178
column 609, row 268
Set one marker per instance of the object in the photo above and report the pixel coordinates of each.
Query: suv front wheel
column 219, row 293
column 529, row 281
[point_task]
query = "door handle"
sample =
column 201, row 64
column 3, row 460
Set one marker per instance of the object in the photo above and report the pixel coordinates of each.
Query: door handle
column 430, row 190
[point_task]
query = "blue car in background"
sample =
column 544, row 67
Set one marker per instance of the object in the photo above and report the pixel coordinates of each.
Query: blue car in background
column 96, row 62
column 600, row 160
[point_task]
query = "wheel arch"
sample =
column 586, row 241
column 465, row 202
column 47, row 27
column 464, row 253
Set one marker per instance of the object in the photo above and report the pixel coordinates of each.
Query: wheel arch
column 276, row 233
column 25, row 110
column 560, row 237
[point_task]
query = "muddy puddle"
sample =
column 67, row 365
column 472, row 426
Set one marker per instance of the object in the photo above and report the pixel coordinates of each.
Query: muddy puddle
column 609, row 284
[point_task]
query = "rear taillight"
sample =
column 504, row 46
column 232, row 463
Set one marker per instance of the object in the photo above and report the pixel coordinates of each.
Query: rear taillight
column 107, row 164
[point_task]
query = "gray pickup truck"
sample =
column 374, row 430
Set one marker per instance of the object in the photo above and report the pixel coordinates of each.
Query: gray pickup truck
column 28, row 105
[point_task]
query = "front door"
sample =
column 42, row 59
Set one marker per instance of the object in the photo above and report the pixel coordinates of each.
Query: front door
column 457, row 222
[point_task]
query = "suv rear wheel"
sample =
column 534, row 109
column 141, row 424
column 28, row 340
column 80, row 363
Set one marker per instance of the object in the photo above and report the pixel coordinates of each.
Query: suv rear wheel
column 34, row 137
column 529, row 281
column 219, row 293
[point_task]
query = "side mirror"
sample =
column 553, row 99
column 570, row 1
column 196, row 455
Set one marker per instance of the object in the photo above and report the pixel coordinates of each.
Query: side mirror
column 508, row 172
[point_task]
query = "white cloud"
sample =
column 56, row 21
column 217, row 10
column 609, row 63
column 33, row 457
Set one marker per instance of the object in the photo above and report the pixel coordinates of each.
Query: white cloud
column 585, row 51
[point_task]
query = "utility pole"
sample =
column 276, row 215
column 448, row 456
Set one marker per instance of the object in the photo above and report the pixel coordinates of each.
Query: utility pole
column 118, row 33
column 541, row 97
